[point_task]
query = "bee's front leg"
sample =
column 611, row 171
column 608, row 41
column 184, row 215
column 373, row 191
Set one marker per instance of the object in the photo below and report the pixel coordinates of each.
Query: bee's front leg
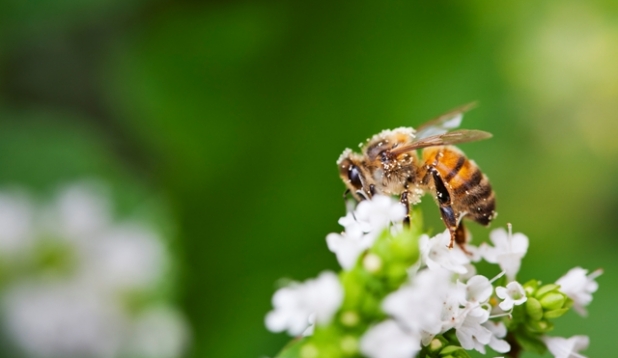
column 461, row 237
column 449, row 217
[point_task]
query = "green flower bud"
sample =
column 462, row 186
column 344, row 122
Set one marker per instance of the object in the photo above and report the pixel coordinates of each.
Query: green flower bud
column 553, row 300
column 349, row 318
column 309, row 351
column 534, row 309
column 542, row 326
column 555, row 313
column 530, row 287
column 349, row 345
column 545, row 290
column 435, row 345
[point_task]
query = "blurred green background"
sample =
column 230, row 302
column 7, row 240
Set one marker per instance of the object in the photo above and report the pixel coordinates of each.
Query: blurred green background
column 235, row 113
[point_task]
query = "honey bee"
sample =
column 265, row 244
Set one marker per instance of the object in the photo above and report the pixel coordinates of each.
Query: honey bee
column 389, row 165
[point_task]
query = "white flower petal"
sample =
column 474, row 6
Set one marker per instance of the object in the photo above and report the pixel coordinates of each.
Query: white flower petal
column 507, row 251
column 566, row 348
column 293, row 305
column 389, row 340
column 418, row 306
column 436, row 254
column 471, row 333
column 579, row 287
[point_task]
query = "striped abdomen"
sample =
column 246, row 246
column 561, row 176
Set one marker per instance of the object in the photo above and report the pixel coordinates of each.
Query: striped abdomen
column 470, row 191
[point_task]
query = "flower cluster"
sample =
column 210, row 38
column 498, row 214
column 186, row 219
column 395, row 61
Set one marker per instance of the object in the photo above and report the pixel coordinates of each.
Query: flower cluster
column 404, row 294
column 75, row 283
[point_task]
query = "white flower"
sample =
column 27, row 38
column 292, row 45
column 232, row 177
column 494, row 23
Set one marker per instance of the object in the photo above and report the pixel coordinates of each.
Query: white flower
column 124, row 257
column 363, row 227
column 352, row 226
column 507, row 252
column 471, row 272
column 418, row 306
column 579, row 287
column 79, row 212
column 388, row 340
column 470, row 331
column 159, row 332
column 498, row 330
column 348, row 248
column 566, row 348
column 477, row 290
column 512, row 294
column 63, row 320
column 380, row 211
column 294, row 304
column 309, row 330
column 436, row 254
column 82, row 309
column 16, row 225
column 451, row 313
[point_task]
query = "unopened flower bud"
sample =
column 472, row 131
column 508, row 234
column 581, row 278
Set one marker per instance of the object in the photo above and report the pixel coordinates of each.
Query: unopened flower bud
column 553, row 300
column 545, row 289
column 541, row 326
column 372, row 263
column 435, row 345
column 349, row 318
column 349, row 345
column 555, row 313
column 309, row 351
column 534, row 309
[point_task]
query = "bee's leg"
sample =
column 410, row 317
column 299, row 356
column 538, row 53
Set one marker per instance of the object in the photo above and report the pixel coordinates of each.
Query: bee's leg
column 449, row 217
column 349, row 204
column 461, row 237
column 405, row 200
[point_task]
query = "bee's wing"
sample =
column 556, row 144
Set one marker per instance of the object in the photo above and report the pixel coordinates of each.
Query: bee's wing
column 443, row 123
column 454, row 137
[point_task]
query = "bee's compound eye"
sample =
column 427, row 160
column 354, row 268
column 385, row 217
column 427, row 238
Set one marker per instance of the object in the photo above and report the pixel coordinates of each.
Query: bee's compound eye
column 354, row 176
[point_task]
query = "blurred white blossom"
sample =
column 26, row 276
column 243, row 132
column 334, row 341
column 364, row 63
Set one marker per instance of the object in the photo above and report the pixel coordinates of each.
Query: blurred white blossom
column 418, row 306
column 80, row 308
column 294, row 304
column 498, row 331
column 579, row 287
column 16, row 225
column 159, row 332
column 566, row 347
column 63, row 319
column 389, row 340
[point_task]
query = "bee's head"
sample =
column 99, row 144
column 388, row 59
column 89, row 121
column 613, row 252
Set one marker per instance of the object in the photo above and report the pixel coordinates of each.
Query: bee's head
column 353, row 174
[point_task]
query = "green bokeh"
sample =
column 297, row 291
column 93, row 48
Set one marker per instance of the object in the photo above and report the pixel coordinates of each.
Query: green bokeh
column 236, row 113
